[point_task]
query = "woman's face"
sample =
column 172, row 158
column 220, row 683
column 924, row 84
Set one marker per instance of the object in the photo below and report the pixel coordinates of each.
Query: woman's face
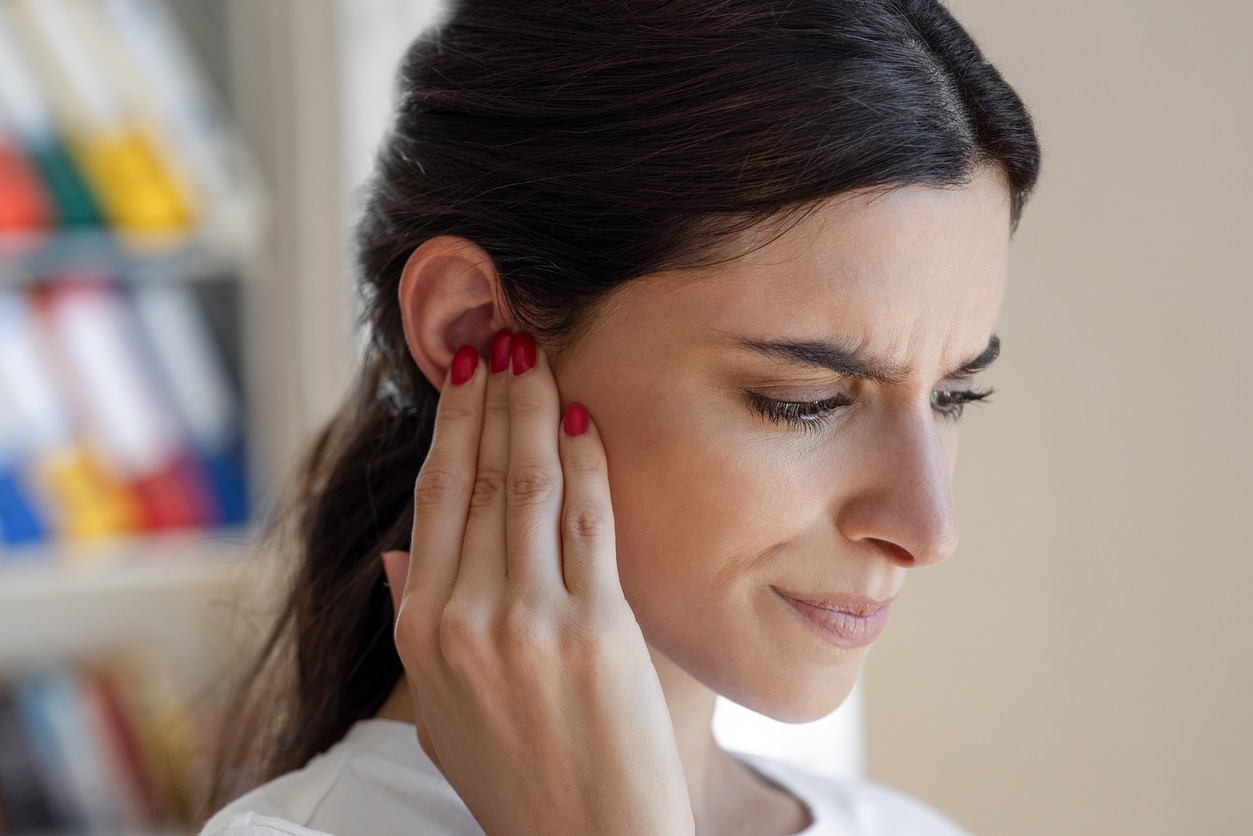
column 781, row 433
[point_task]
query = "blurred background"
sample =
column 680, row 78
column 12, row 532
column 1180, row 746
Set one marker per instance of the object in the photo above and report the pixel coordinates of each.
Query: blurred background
column 178, row 180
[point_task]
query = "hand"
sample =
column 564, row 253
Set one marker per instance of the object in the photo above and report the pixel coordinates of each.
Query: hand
column 523, row 659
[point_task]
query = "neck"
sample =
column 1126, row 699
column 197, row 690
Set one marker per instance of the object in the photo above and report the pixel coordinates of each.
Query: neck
column 691, row 707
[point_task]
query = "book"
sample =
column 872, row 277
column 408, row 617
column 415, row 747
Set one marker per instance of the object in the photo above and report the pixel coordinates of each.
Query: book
column 129, row 755
column 129, row 419
column 21, row 521
column 73, row 491
column 200, row 391
column 176, row 96
column 142, row 198
column 103, row 746
column 33, row 126
column 52, row 706
column 26, row 211
column 23, row 794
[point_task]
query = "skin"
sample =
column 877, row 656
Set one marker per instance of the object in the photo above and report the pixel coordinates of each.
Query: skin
column 718, row 511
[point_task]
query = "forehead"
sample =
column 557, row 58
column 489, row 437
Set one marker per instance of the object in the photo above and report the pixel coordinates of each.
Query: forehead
column 910, row 272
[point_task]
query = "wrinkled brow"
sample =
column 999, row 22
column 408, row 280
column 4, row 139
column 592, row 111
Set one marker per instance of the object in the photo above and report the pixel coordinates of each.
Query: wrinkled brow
column 843, row 361
column 848, row 362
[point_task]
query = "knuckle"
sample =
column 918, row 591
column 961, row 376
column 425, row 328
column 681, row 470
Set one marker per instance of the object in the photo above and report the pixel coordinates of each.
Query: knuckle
column 533, row 485
column 521, row 635
column 583, row 461
column 453, row 410
column 528, row 401
column 413, row 644
column 607, row 640
column 590, row 647
column 488, row 487
column 406, row 634
column 587, row 524
column 437, row 485
column 462, row 635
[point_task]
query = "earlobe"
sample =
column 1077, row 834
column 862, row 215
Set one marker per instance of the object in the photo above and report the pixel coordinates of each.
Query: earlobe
column 449, row 296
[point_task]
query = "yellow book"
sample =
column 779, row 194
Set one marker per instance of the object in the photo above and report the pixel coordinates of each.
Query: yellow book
column 119, row 156
column 125, row 171
column 77, row 495
column 86, row 503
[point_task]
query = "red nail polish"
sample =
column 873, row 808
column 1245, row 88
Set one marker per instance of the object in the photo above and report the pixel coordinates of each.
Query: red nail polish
column 500, row 351
column 575, row 422
column 523, row 353
column 464, row 363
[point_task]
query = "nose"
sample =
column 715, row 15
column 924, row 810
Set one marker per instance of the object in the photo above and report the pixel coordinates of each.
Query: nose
column 903, row 504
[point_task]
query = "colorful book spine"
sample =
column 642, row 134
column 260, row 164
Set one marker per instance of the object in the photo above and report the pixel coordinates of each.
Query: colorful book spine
column 129, row 176
column 200, row 391
column 23, row 795
column 21, row 520
column 95, row 749
column 33, row 126
column 53, row 708
column 129, row 420
column 25, row 207
column 179, row 99
column 119, row 414
column 76, row 494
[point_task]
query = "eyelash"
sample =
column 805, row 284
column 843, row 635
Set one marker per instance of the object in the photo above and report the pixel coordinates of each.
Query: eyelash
column 810, row 416
column 958, row 399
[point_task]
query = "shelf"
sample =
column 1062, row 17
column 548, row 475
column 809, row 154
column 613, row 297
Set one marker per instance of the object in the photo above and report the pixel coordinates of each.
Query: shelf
column 100, row 253
column 168, row 593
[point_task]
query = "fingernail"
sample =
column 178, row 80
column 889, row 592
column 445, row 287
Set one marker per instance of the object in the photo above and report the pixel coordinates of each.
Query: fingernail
column 575, row 422
column 464, row 364
column 500, row 351
column 523, row 353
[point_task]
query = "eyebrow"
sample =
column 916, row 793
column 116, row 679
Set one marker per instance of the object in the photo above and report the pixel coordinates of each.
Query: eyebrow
column 848, row 362
column 986, row 358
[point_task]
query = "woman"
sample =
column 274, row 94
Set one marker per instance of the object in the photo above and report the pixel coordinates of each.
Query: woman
column 677, row 305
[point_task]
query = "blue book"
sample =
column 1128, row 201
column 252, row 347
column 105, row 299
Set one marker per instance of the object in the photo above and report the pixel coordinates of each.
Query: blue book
column 24, row 795
column 53, row 706
column 200, row 390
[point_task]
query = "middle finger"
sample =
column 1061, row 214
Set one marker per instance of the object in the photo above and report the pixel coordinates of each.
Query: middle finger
column 483, row 548
column 535, row 488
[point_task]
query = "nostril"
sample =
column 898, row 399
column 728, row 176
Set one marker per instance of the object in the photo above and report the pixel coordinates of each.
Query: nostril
column 898, row 554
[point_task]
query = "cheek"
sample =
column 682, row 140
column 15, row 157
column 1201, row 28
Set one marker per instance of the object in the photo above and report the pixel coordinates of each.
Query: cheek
column 697, row 509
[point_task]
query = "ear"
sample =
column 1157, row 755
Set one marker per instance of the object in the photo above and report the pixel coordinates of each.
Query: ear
column 449, row 297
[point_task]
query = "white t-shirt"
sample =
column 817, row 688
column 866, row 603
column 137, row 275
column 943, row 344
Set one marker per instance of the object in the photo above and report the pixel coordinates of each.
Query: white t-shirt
column 377, row 781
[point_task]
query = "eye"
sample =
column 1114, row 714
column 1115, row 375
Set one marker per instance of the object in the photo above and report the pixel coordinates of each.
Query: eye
column 809, row 416
column 952, row 402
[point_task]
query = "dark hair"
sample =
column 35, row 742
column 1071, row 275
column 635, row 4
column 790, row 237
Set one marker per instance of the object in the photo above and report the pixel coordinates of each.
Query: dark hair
column 584, row 143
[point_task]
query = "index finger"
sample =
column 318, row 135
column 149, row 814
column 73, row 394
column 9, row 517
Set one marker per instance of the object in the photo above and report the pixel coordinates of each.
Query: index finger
column 441, row 492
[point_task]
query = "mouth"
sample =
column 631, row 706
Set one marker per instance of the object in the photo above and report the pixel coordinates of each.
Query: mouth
column 846, row 621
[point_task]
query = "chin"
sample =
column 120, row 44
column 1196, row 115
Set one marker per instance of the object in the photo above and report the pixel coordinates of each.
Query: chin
column 789, row 699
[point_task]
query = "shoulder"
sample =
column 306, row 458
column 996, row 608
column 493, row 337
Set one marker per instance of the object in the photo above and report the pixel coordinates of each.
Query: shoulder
column 252, row 824
column 378, row 774
column 858, row 808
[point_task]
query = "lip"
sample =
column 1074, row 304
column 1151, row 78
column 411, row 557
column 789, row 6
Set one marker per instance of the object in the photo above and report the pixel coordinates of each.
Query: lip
column 846, row 621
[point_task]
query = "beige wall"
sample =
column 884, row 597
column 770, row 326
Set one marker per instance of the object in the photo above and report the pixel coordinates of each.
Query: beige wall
column 1084, row 665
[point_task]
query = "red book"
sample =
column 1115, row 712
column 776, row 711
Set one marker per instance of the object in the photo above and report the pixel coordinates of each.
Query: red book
column 174, row 496
column 124, row 748
column 24, row 205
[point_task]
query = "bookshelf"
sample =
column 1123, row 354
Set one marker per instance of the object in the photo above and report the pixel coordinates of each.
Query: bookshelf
column 85, row 608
